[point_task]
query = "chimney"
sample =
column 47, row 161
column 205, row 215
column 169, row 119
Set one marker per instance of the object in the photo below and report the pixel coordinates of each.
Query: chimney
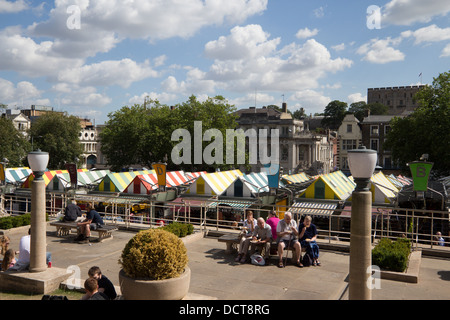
column 284, row 107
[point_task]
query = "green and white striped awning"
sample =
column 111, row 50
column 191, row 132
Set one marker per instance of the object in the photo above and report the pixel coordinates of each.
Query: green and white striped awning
column 313, row 208
column 236, row 204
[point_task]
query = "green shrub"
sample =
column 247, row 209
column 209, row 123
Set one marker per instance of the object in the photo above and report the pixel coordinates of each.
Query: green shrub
column 392, row 255
column 6, row 223
column 16, row 221
column 179, row 229
column 154, row 254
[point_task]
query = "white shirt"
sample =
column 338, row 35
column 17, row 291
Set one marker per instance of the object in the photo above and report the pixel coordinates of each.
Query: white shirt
column 24, row 250
column 287, row 228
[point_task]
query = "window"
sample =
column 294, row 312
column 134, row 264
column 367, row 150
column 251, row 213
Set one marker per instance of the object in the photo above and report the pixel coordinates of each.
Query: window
column 349, row 128
column 284, row 153
column 349, row 144
column 387, row 163
column 374, row 144
column 374, row 130
column 387, row 129
column 344, row 163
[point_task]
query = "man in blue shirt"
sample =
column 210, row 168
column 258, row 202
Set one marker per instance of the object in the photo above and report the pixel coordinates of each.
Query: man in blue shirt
column 92, row 222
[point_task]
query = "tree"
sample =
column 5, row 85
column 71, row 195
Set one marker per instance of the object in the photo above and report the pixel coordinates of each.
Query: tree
column 13, row 145
column 334, row 113
column 361, row 108
column 299, row 114
column 426, row 130
column 142, row 134
column 57, row 134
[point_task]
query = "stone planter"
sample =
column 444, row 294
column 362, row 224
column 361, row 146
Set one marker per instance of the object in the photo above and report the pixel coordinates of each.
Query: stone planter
column 168, row 289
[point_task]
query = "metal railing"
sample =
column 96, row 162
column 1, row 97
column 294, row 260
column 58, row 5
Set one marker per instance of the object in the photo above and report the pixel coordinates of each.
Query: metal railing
column 421, row 226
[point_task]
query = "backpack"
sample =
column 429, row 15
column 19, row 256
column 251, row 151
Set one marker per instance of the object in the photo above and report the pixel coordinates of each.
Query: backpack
column 307, row 260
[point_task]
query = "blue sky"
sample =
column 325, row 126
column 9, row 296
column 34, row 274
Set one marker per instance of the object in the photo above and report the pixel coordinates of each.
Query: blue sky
column 90, row 58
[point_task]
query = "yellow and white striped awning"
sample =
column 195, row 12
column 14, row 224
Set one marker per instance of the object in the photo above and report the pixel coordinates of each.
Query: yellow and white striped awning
column 215, row 183
column 296, row 178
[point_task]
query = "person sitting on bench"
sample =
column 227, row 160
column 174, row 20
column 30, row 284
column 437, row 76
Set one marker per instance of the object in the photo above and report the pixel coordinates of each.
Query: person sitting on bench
column 92, row 222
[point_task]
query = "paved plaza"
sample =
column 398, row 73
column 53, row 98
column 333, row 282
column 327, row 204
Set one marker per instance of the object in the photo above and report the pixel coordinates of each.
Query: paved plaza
column 216, row 276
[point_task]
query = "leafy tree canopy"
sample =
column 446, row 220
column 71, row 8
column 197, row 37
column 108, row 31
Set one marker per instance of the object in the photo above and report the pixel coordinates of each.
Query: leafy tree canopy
column 142, row 134
column 334, row 113
column 426, row 130
column 13, row 145
column 57, row 134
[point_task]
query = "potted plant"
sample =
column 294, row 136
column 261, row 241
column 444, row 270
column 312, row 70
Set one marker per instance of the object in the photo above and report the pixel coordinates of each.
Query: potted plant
column 154, row 267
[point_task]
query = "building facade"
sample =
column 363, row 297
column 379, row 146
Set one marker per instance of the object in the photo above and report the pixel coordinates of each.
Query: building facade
column 349, row 136
column 398, row 99
column 374, row 131
column 299, row 149
column 89, row 140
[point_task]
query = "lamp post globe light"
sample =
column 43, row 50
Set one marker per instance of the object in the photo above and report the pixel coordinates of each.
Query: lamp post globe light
column 38, row 161
column 362, row 163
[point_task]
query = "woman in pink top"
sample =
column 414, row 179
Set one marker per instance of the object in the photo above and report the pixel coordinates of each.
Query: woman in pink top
column 272, row 221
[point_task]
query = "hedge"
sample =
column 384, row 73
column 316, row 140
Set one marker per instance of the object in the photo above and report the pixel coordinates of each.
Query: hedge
column 16, row 221
column 179, row 229
column 392, row 255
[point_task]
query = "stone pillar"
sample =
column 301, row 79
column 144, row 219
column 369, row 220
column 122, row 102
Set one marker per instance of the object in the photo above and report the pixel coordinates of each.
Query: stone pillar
column 360, row 246
column 38, row 261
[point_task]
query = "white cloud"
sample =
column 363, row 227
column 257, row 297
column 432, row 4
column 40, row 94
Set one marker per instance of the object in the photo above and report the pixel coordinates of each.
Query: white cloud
column 243, row 42
column 446, row 51
column 12, row 6
column 319, row 12
column 306, row 33
column 339, row 47
column 106, row 73
column 85, row 98
column 163, row 98
column 407, row 12
column 151, row 20
column 23, row 93
column 356, row 97
column 247, row 59
column 310, row 100
column 261, row 99
column 431, row 33
column 24, row 55
column 381, row 51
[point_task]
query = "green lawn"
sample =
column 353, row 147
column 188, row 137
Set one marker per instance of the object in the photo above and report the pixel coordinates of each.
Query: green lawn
column 70, row 294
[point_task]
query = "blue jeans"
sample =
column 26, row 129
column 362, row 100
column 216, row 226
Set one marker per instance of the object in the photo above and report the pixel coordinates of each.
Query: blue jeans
column 312, row 248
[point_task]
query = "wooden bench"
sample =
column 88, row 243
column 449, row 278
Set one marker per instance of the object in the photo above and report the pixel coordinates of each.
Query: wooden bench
column 232, row 244
column 64, row 228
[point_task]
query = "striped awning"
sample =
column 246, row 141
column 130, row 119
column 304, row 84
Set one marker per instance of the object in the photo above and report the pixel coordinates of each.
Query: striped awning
column 395, row 181
column 297, row 178
column 17, row 175
column 118, row 181
column 257, row 182
column 313, row 208
column 384, row 186
column 194, row 175
column 236, row 204
column 48, row 176
column 176, row 178
column 94, row 177
column 84, row 178
column 214, row 183
column 334, row 186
